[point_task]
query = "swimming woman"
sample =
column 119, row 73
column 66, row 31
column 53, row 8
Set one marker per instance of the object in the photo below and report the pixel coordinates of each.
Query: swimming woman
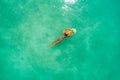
column 66, row 33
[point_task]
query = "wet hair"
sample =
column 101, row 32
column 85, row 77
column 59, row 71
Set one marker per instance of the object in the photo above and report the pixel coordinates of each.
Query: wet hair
column 65, row 34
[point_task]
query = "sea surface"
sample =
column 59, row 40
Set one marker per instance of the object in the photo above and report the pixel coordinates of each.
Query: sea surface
column 27, row 27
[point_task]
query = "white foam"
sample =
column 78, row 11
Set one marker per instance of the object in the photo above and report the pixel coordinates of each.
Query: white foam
column 74, row 30
column 70, row 1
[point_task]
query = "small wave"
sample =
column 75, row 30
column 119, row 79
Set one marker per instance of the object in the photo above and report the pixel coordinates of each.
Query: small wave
column 70, row 1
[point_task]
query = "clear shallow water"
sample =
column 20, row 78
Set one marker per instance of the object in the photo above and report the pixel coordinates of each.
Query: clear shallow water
column 28, row 27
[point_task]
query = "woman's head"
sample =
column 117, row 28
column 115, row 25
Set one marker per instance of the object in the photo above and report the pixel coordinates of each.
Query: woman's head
column 68, row 32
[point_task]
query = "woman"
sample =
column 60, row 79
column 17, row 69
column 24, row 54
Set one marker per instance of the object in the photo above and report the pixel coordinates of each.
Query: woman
column 66, row 33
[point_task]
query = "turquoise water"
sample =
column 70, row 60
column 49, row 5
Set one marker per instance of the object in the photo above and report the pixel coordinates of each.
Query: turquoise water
column 27, row 27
